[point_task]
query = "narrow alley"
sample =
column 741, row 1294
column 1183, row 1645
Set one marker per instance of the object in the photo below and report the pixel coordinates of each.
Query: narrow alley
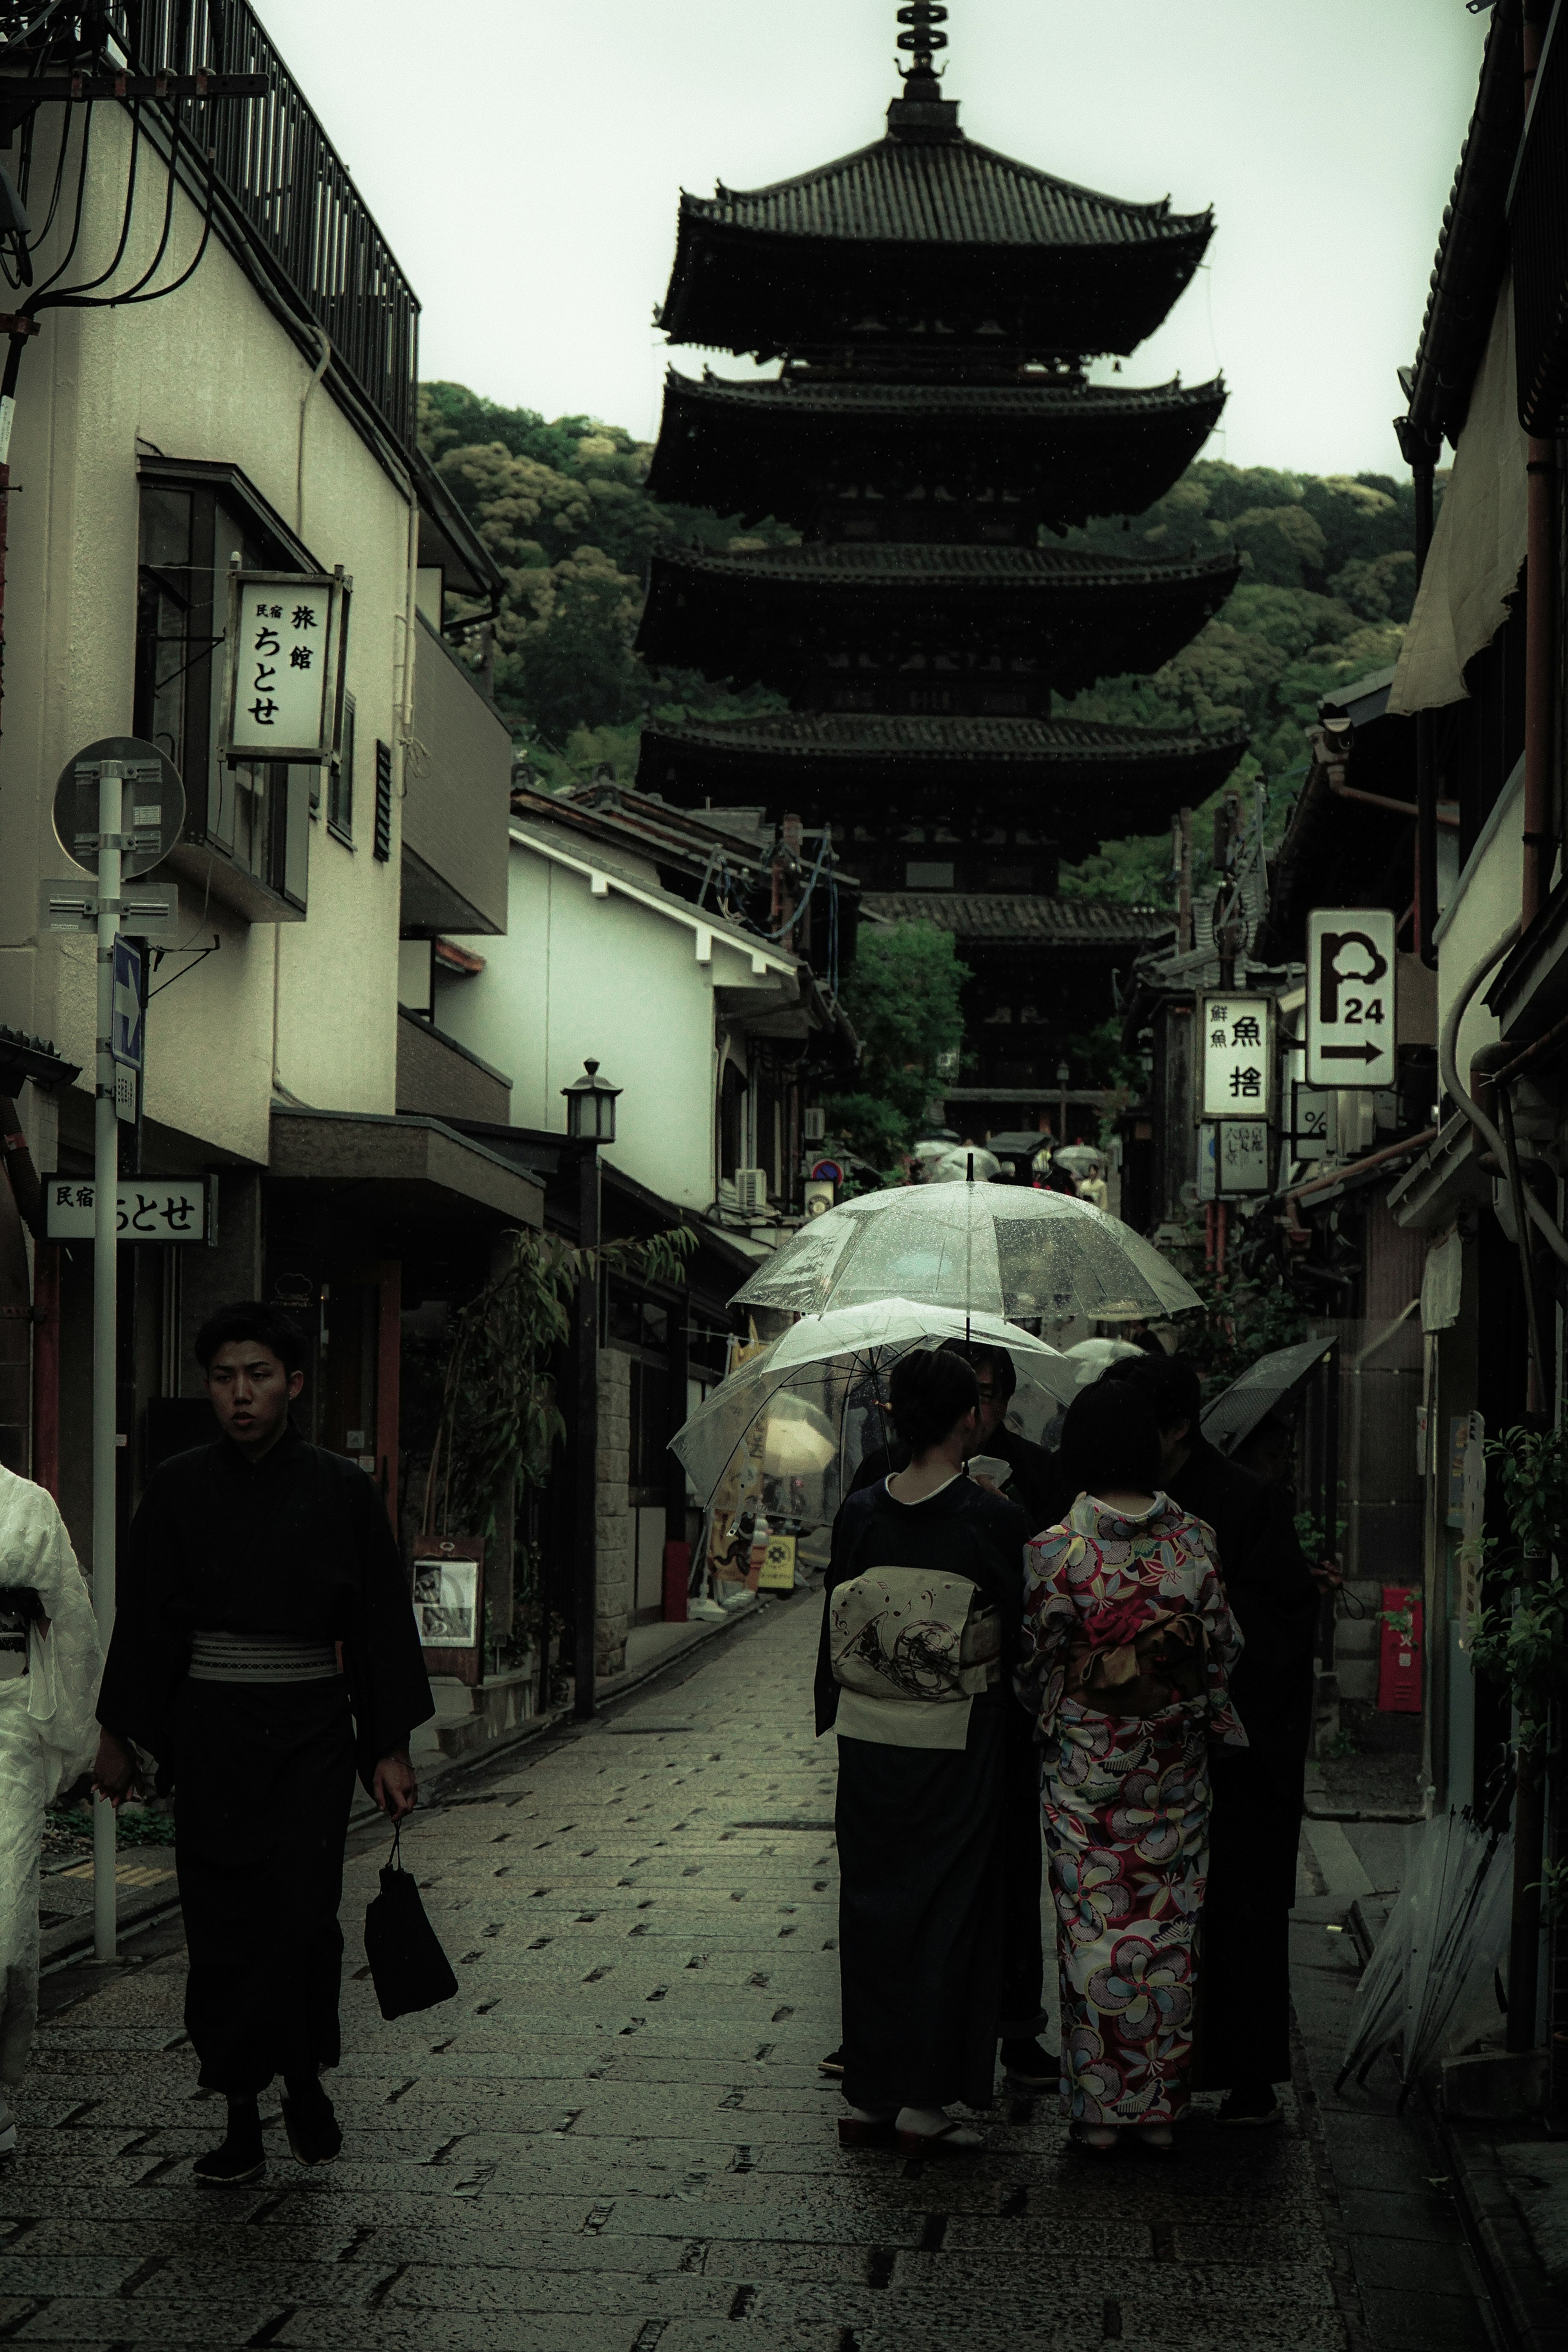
column 616, row 2137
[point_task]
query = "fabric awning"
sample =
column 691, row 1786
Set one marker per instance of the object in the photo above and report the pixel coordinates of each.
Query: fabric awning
column 1472, row 565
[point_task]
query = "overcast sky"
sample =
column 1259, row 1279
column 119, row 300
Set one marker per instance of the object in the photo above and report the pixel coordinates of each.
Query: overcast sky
column 524, row 158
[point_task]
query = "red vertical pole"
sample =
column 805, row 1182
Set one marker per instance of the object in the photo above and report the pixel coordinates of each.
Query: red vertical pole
column 388, row 1380
column 47, row 1365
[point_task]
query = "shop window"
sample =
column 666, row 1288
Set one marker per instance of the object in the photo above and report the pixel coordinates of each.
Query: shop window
column 731, row 1121
column 340, row 780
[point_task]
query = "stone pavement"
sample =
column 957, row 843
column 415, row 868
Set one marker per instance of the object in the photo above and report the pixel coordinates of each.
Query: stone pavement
column 615, row 2136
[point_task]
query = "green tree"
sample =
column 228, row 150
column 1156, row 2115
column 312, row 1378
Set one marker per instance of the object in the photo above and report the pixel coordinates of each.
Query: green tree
column 903, row 994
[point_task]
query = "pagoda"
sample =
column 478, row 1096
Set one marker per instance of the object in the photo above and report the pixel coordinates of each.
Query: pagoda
column 932, row 434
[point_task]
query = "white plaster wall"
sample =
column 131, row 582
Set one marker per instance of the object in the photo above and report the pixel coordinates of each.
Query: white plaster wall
column 1475, row 920
column 578, row 977
column 206, row 373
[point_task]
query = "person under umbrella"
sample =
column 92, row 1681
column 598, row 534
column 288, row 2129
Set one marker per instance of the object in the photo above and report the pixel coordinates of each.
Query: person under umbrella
column 1258, row 1793
column 263, row 1646
column 919, row 1631
column 1128, row 1646
column 1025, row 2065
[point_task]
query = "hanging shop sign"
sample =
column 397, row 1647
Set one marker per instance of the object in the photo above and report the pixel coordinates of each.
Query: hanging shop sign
column 1349, row 997
column 149, row 1208
column 1241, row 1158
column 1239, row 1056
column 283, row 680
column 1313, row 1122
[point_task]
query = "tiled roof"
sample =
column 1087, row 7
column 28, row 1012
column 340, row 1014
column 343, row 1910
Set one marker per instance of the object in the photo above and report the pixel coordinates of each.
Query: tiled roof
column 854, row 735
column 1001, row 917
column 896, row 563
column 951, row 191
column 1047, row 402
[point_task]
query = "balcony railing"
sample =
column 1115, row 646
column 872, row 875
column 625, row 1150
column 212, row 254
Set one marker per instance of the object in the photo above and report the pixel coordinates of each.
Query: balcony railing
column 292, row 190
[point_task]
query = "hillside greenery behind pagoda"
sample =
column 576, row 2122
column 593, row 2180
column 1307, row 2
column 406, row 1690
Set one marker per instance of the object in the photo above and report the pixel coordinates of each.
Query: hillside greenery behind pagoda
column 1328, row 580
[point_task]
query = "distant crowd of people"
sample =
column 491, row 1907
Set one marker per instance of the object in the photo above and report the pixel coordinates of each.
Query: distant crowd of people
column 1101, row 1662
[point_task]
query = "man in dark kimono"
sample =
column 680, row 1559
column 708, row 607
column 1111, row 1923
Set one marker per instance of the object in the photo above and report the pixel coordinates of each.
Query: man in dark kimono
column 264, row 1647
column 1258, row 1791
column 1025, row 2065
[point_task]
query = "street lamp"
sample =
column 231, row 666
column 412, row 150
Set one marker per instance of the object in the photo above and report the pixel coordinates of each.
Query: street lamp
column 1063, row 1075
column 591, row 1108
column 590, row 1121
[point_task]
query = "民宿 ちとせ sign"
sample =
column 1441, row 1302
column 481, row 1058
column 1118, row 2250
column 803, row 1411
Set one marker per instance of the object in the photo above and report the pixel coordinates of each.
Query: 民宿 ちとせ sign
column 1237, row 1056
column 149, row 1208
column 1349, row 997
column 283, row 681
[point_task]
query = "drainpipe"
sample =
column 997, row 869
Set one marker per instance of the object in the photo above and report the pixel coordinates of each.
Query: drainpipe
column 1426, row 739
column 1541, row 509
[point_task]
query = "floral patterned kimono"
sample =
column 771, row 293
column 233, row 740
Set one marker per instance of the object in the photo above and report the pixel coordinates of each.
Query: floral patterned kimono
column 1126, row 1793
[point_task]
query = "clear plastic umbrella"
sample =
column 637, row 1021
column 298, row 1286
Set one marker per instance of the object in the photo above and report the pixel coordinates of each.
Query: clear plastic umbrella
column 788, row 1429
column 1427, row 1989
column 996, row 1249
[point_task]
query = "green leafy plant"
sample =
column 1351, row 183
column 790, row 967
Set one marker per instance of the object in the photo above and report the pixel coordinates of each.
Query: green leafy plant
column 1521, row 1635
column 499, row 1422
column 1553, row 1884
column 903, row 992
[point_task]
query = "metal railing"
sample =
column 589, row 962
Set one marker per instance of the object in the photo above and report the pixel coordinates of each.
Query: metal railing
column 289, row 186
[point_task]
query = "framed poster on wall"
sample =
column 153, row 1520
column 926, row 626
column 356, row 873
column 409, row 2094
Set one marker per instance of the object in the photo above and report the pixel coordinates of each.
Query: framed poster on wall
column 449, row 1606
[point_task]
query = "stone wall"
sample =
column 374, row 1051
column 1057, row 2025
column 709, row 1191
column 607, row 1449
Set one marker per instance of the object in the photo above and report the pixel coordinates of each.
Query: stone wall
column 617, row 1544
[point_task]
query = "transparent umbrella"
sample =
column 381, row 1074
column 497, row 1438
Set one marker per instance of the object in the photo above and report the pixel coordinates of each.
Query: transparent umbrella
column 1428, row 1988
column 996, row 1249
column 788, row 1430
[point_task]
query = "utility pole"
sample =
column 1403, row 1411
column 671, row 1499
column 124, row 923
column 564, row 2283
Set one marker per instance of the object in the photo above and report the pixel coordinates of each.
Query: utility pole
column 105, row 1307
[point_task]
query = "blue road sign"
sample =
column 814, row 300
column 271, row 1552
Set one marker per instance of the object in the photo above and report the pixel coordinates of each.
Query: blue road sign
column 127, row 1026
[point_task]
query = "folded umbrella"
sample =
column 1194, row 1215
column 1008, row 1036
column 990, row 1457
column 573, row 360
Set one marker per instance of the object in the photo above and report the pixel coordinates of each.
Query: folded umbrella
column 996, row 1249
column 789, row 1428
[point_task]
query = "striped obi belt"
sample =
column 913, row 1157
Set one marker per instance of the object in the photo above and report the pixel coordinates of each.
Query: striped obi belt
column 271, row 1658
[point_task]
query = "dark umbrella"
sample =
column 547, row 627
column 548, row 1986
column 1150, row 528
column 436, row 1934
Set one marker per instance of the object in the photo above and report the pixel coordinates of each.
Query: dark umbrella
column 1267, row 1387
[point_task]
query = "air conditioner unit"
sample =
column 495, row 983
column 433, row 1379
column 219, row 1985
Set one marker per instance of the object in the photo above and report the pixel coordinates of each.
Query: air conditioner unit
column 752, row 1189
column 813, row 1123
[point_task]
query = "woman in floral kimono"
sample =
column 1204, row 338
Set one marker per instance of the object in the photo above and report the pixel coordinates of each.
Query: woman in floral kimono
column 1128, row 1643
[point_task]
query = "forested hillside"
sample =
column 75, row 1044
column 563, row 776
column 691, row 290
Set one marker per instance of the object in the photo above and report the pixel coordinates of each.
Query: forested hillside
column 1328, row 580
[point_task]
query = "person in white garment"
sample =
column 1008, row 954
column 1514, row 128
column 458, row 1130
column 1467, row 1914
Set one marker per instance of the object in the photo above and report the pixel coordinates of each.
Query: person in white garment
column 49, row 1669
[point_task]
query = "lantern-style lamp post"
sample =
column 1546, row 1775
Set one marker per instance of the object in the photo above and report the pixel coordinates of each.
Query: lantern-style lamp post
column 591, row 1106
column 590, row 1121
column 1063, row 1075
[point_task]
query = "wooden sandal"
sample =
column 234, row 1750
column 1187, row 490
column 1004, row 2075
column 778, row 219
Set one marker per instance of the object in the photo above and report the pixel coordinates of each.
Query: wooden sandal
column 854, row 2133
column 941, row 2143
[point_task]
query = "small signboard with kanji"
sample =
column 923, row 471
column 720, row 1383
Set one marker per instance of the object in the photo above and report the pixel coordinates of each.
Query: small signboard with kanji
column 1241, row 1156
column 282, row 690
column 149, row 1209
column 1237, row 1057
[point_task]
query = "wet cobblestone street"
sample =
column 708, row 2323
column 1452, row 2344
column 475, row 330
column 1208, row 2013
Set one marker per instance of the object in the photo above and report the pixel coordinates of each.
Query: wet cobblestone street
column 617, row 2137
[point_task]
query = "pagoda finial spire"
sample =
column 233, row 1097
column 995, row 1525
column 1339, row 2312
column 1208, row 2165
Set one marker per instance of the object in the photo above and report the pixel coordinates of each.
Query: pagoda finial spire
column 920, row 110
column 923, row 37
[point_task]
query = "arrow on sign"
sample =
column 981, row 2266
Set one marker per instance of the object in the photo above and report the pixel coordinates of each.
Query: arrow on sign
column 1367, row 1052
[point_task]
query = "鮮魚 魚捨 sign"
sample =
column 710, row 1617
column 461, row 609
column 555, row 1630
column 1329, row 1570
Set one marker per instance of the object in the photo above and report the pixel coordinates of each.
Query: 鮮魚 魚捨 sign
column 1237, row 1056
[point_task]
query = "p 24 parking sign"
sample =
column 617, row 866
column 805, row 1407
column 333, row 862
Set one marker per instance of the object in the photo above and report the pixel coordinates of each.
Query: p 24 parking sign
column 1351, row 968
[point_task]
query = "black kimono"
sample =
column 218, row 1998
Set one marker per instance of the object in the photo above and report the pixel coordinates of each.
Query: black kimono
column 294, row 1550
column 920, row 1829
column 1256, row 1826
column 1032, row 1487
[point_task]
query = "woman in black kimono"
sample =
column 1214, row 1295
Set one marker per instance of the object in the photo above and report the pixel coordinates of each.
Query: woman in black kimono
column 919, row 1693
column 264, row 1647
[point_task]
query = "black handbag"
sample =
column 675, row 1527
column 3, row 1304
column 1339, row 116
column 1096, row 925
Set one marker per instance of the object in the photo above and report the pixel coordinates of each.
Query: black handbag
column 407, row 1966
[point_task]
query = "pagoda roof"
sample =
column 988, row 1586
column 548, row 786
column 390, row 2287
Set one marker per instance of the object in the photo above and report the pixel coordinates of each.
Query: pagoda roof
column 1079, row 782
column 1009, row 919
column 936, row 234
column 776, row 615
column 951, row 190
column 1072, row 449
